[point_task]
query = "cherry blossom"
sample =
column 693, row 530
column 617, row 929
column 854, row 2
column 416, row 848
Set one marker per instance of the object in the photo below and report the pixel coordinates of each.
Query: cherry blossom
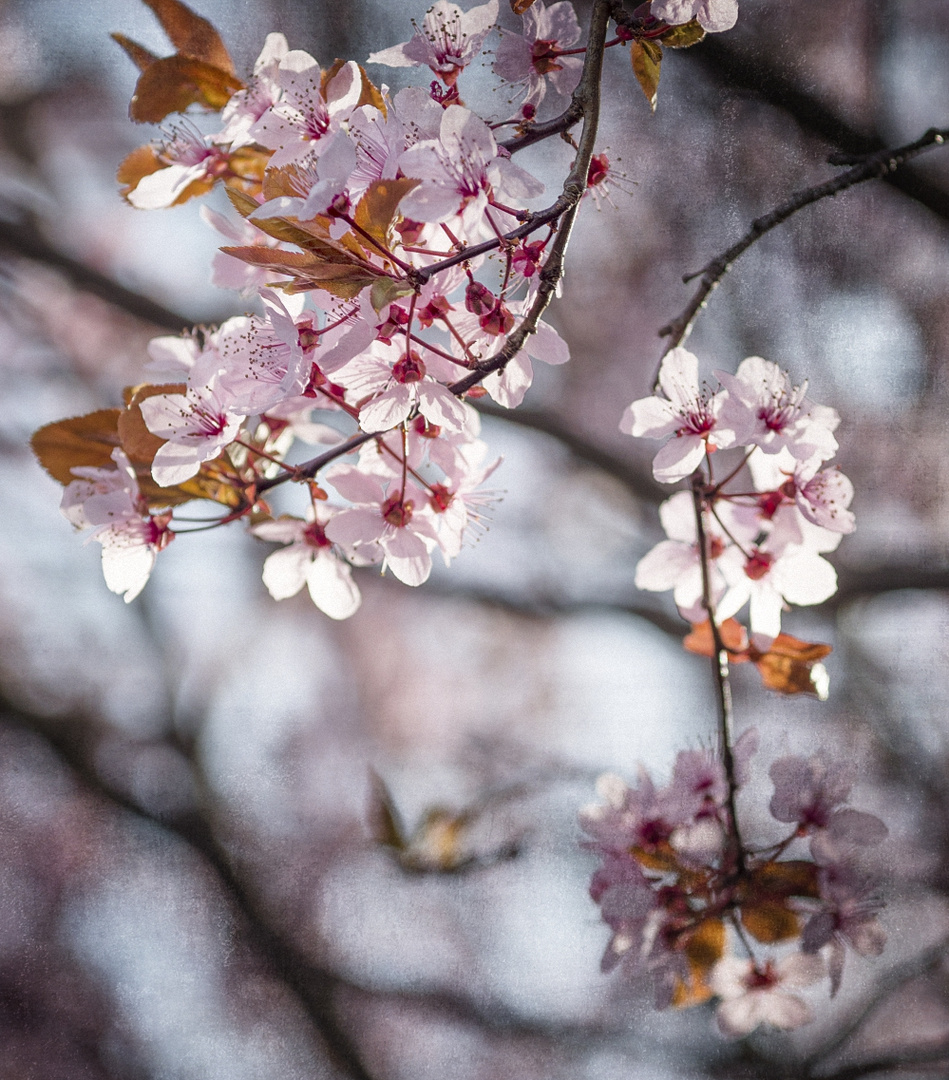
column 777, row 414
column 308, row 559
column 387, row 522
column 187, row 157
column 753, row 994
column 676, row 563
column 109, row 502
column 688, row 412
column 197, row 426
column 714, row 16
column 461, row 173
column 308, row 112
column 530, row 59
column 447, row 41
column 263, row 91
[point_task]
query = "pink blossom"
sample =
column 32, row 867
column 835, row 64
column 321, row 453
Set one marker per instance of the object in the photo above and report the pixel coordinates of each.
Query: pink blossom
column 188, row 156
column 461, row 172
column 776, row 414
column 847, row 916
column 753, row 994
column 676, row 564
column 307, row 113
column 308, row 559
column 247, row 106
column 196, row 425
column 386, row 522
column 529, row 60
column 688, row 412
column 109, row 502
column 447, row 41
column 712, row 15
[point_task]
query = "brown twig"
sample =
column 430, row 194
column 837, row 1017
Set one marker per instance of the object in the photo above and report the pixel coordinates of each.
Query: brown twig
column 873, row 167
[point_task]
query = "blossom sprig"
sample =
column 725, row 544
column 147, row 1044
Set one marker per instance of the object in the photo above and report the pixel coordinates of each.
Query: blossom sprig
column 747, row 927
column 767, row 527
column 402, row 268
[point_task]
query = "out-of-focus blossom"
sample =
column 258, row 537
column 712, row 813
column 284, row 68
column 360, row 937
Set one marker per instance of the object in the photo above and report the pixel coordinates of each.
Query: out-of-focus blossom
column 753, row 994
column 713, row 16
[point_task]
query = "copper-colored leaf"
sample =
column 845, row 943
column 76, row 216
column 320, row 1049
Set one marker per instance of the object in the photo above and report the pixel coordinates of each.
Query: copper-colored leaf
column 377, row 208
column 143, row 161
column 770, row 922
column 681, row 37
column 139, row 55
column 81, row 440
column 385, row 824
column 792, row 666
column 241, row 201
column 249, row 163
column 190, row 34
column 647, row 60
column 733, row 636
column 706, row 945
column 520, row 6
column 791, row 877
column 703, row 949
column 173, row 83
column 344, row 279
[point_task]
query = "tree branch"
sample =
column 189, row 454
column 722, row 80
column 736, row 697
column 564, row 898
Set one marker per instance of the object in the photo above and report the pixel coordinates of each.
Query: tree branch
column 877, row 165
column 313, row 987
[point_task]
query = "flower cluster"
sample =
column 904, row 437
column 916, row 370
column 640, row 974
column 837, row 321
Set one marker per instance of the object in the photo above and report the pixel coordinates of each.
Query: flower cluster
column 764, row 539
column 398, row 268
column 706, row 916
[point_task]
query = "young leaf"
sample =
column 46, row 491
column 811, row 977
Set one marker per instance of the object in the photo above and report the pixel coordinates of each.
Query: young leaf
column 377, row 208
column 647, row 58
column 190, row 34
column 387, row 289
column 82, row 440
column 520, row 6
column 770, row 922
column 792, row 666
column 138, row 54
column 681, row 37
column 175, row 82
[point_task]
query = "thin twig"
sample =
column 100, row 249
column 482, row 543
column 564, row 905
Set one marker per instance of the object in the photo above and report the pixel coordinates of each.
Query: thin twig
column 587, row 94
column 872, row 167
column 719, row 670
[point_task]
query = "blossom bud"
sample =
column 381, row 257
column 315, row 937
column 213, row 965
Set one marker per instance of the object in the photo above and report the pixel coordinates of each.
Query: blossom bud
column 479, row 299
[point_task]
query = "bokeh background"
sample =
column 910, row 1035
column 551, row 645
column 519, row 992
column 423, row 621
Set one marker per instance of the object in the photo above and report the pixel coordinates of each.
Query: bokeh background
column 189, row 884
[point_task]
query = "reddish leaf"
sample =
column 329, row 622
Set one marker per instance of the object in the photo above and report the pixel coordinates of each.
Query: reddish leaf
column 139, row 55
column 647, row 60
column 770, row 922
column 520, row 6
column 81, row 440
column 175, row 82
column 792, row 666
column 377, row 208
column 190, row 34
column 733, row 634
